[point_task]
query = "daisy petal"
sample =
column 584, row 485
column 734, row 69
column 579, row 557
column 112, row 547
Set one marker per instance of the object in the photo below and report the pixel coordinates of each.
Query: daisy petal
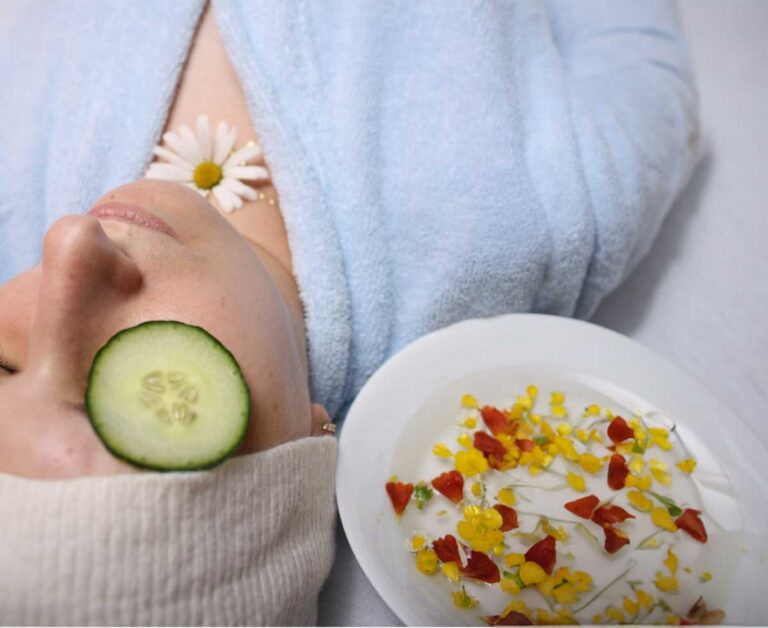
column 236, row 187
column 191, row 140
column 180, row 146
column 204, row 140
column 225, row 140
column 173, row 158
column 169, row 172
column 251, row 173
column 228, row 201
column 243, row 155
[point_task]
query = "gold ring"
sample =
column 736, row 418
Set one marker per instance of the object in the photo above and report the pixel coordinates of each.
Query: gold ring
column 328, row 427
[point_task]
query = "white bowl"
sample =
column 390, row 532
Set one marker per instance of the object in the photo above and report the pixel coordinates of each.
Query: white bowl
column 411, row 400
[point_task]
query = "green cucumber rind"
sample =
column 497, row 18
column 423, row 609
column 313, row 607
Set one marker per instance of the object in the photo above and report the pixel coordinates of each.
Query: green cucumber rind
column 115, row 451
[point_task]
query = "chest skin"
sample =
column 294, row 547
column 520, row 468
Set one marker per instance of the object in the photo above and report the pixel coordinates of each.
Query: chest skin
column 209, row 85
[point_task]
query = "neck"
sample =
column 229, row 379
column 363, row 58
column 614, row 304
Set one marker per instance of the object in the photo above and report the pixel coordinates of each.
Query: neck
column 282, row 276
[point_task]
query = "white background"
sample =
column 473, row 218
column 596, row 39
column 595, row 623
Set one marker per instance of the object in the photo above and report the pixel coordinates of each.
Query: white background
column 700, row 298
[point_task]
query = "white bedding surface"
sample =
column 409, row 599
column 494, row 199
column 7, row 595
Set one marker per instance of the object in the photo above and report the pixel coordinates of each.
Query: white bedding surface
column 700, row 298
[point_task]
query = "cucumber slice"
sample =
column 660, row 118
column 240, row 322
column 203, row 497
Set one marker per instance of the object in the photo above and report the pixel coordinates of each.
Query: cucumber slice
column 167, row 396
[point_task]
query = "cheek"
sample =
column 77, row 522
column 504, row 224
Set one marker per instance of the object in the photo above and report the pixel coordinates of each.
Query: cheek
column 41, row 439
column 18, row 302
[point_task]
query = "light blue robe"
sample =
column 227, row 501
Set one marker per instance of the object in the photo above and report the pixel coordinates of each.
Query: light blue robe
column 436, row 160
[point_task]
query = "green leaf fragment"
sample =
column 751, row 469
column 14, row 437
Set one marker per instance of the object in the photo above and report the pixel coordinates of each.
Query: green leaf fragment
column 540, row 440
column 422, row 494
column 670, row 504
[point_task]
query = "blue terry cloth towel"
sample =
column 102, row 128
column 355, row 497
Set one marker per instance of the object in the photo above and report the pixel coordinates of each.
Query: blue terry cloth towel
column 436, row 160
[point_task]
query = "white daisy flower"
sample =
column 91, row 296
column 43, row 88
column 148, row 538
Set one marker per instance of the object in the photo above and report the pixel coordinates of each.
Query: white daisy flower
column 208, row 164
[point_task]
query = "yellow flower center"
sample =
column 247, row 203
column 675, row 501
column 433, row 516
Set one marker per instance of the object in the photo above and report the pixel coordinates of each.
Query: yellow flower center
column 207, row 175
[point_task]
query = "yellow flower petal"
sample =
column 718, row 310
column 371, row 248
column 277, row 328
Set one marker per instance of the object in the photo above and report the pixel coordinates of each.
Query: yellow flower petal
column 465, row 440
column 461, row 599
column 642, row 483
column 590, row 463
column 451, row 571
column 636, row 464
column 509, row 585
column 639, row 500
column 506, row 496
column 631, row 606
column 426, row 561
column 469, row 401
column 665, row 583
column 441, row 451
column 687, row 465
column 470, row 462
column 577, row 482
column 514, row 559
column 524, row 401
column 615, row 614
column 532, row 573
column 644, row 599
column 592, row 410
column 671, row 561
column 661, row 517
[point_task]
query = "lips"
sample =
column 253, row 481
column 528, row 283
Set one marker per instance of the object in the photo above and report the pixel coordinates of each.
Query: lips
column 132, row 213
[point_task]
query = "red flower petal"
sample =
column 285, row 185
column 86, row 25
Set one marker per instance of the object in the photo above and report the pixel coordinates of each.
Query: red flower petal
column 607, row 515
column 614, row 539
column 617, row 472
column 489, row 445
column 584, row 506
column 513, row 618
column 525, row 444
column 480, row 567
column 543, row 553
column 399, row 495
column 619, row 430
column 508, row 516
column 497, row 421
column 447, row 549
column 450, row 484
column 692, row 524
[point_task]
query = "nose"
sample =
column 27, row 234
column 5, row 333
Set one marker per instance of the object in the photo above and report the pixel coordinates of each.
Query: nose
column 83, row 274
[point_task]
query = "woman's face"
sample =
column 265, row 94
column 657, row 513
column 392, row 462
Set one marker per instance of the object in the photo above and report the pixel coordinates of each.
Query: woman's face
column 101, row 275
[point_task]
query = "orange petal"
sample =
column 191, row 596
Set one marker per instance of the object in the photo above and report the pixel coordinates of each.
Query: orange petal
column 584, row 506
column 447, row 549
column 450, row 484
column 692, row 524
column 617, row 472
column 489, row 445
column 619, row 430
column 543, row 553
column 399, row 495
column 497, row 421
column 480, row 567
column 513, row 618
column 607, row 515
column 508, row 516
column 614, row 539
